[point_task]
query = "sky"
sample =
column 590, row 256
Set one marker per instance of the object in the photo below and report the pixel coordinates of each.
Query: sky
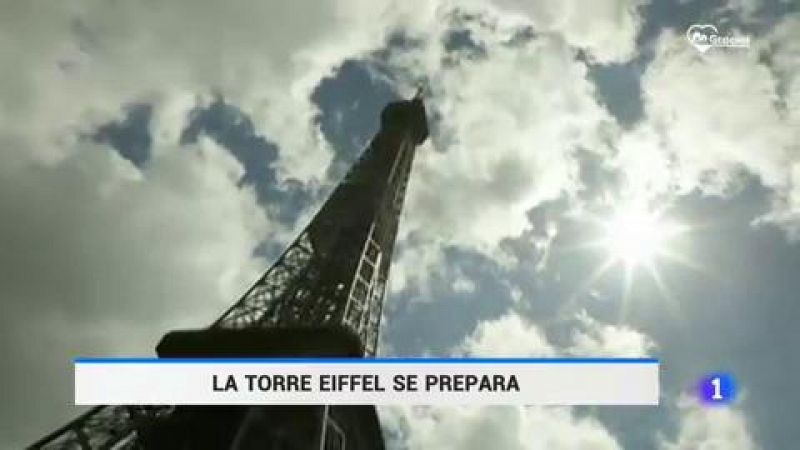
column 593, row 185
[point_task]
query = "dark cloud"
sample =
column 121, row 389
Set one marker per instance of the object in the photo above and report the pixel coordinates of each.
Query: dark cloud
column 130, row 136
column 231, row 128
column 618, row 89
column 414, row 317
column 462, row 42
column 350, row 103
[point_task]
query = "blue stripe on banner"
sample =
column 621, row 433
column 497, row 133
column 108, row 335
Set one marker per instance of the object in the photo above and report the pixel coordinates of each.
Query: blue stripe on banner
column 153, row 360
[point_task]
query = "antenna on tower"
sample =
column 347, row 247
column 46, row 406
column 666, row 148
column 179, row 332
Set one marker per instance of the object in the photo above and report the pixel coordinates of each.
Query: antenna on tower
column 419, row 93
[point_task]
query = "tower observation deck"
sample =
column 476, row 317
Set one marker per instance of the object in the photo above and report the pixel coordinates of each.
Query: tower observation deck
column 322, row 297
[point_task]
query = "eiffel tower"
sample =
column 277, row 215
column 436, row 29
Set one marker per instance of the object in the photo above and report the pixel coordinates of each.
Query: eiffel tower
column 322, row 297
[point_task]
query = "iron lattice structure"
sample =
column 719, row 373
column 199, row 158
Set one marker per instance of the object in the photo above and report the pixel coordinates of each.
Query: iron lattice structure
column 333, row 275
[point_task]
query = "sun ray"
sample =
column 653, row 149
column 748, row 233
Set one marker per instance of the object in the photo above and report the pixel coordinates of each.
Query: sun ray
column 588, row 283
column 627, row 285
column 684, row 261
column 666, row 293
column 637, row 238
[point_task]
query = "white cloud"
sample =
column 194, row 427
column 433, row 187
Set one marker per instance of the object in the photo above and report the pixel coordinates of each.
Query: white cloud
column 100, row 258
column 510, row 126
column 509, row 335
column 413, row 263
column 607, row 29
column 513, row 428
column 704, row 428
column 695, row 101
column 710, row 118
column 463, row 285
column 745, row 9
column 784, row 41
column 75, row 64
column 513, row 335
column 595, row 339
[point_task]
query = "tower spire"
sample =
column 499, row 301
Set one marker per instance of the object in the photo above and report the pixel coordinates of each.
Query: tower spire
column 419, row 93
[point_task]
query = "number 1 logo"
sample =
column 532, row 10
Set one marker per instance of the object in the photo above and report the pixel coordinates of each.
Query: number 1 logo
column 716, row 388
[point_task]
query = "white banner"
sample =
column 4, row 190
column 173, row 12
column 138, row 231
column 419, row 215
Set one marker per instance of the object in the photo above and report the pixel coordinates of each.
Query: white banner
column 378, row 381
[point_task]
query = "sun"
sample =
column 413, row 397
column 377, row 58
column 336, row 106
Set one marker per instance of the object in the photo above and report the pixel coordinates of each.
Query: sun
column 639, row 239
column 635, row 236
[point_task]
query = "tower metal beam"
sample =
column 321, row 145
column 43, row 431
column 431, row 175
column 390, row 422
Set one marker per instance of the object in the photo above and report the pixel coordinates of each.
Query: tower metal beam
column 323, row 296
